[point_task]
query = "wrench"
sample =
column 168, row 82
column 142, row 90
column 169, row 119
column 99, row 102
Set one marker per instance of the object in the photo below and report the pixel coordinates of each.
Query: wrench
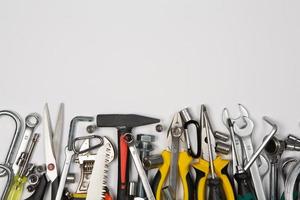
column 69, row 153
column 31, row 122
column 243, row 128
column 129, row 138
column 86, row 160
column 245, row 134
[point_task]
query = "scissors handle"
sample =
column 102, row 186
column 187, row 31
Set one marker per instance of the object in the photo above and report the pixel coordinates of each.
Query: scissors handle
column 40, row 189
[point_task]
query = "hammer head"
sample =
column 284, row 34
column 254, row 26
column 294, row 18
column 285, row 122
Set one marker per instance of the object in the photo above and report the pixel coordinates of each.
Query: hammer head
column 124, row 122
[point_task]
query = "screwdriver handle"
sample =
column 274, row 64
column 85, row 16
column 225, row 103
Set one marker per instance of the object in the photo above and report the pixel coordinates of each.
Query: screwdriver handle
column 16, row 190
column 215, row 189
column 202, row 171
column 245, row 187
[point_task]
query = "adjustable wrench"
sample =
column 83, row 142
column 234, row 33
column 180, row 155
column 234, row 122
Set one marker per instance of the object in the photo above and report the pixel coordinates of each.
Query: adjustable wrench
column 86, row 160
column 69, row 153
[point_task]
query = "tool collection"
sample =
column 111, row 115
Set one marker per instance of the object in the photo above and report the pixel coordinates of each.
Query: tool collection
column 199, row 163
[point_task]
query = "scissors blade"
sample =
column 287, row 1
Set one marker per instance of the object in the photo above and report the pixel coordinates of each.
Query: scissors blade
column 51, row 171
column 57, row 135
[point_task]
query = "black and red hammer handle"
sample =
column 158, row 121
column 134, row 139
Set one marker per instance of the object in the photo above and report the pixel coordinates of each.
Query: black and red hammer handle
column 124, row 124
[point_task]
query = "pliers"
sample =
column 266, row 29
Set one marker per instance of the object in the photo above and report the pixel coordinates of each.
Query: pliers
column 176, row 160
column 209, row 160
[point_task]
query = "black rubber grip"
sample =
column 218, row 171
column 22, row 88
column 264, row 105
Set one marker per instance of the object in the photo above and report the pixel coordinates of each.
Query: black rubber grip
column 191, row 187
column 245, row 186
column 155, row 182
column 128, row 121
column 54, row 188
column 215, row 189
column 199, row 175
column 40, row 189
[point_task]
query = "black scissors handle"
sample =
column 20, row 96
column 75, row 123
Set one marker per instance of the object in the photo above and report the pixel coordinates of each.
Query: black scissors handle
column 40, row 189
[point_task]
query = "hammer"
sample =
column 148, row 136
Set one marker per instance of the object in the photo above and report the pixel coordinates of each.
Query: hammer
column 124, row 124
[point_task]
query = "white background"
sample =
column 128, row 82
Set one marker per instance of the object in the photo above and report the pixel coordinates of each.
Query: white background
column 151, row 58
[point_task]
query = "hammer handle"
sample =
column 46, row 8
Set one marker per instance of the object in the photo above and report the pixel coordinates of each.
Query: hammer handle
column 123, row 170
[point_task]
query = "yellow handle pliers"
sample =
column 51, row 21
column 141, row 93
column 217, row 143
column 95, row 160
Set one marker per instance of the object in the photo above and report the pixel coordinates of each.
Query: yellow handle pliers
column 202, row 167
column 175, row 161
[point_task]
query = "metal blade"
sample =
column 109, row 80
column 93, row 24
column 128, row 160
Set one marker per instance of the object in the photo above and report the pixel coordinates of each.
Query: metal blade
column 57, row 135
column 49, row 155
column 98, row 179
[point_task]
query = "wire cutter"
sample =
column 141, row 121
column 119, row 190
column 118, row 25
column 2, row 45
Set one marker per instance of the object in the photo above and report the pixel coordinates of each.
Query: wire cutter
column 210, row 168
column 175, row 160
column 52, row 150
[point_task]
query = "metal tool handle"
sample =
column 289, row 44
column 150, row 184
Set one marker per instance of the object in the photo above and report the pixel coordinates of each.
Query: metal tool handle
column 255, row 175
column 64, row 174
column 13, row 145
column 139, row 166
column 9, row 173
column 31, row 122
column 69, row 153
column 274, row 181
column 264, row 143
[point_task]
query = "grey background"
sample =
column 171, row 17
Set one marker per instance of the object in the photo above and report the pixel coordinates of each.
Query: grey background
column 152, row 58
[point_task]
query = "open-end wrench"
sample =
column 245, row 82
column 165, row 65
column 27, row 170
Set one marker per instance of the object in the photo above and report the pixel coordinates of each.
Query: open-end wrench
column 31, row 122
column 245, row 134
column 243, row 128
column 69, row 153
column 129, row 138
column 245, row 189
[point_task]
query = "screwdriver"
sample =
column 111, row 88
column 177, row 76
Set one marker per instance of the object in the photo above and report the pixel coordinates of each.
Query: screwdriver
column 16, row 189
column 213, row 182
column 245, row 187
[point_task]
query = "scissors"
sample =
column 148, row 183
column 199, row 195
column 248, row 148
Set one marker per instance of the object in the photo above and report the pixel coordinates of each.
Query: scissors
column 52, row 150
